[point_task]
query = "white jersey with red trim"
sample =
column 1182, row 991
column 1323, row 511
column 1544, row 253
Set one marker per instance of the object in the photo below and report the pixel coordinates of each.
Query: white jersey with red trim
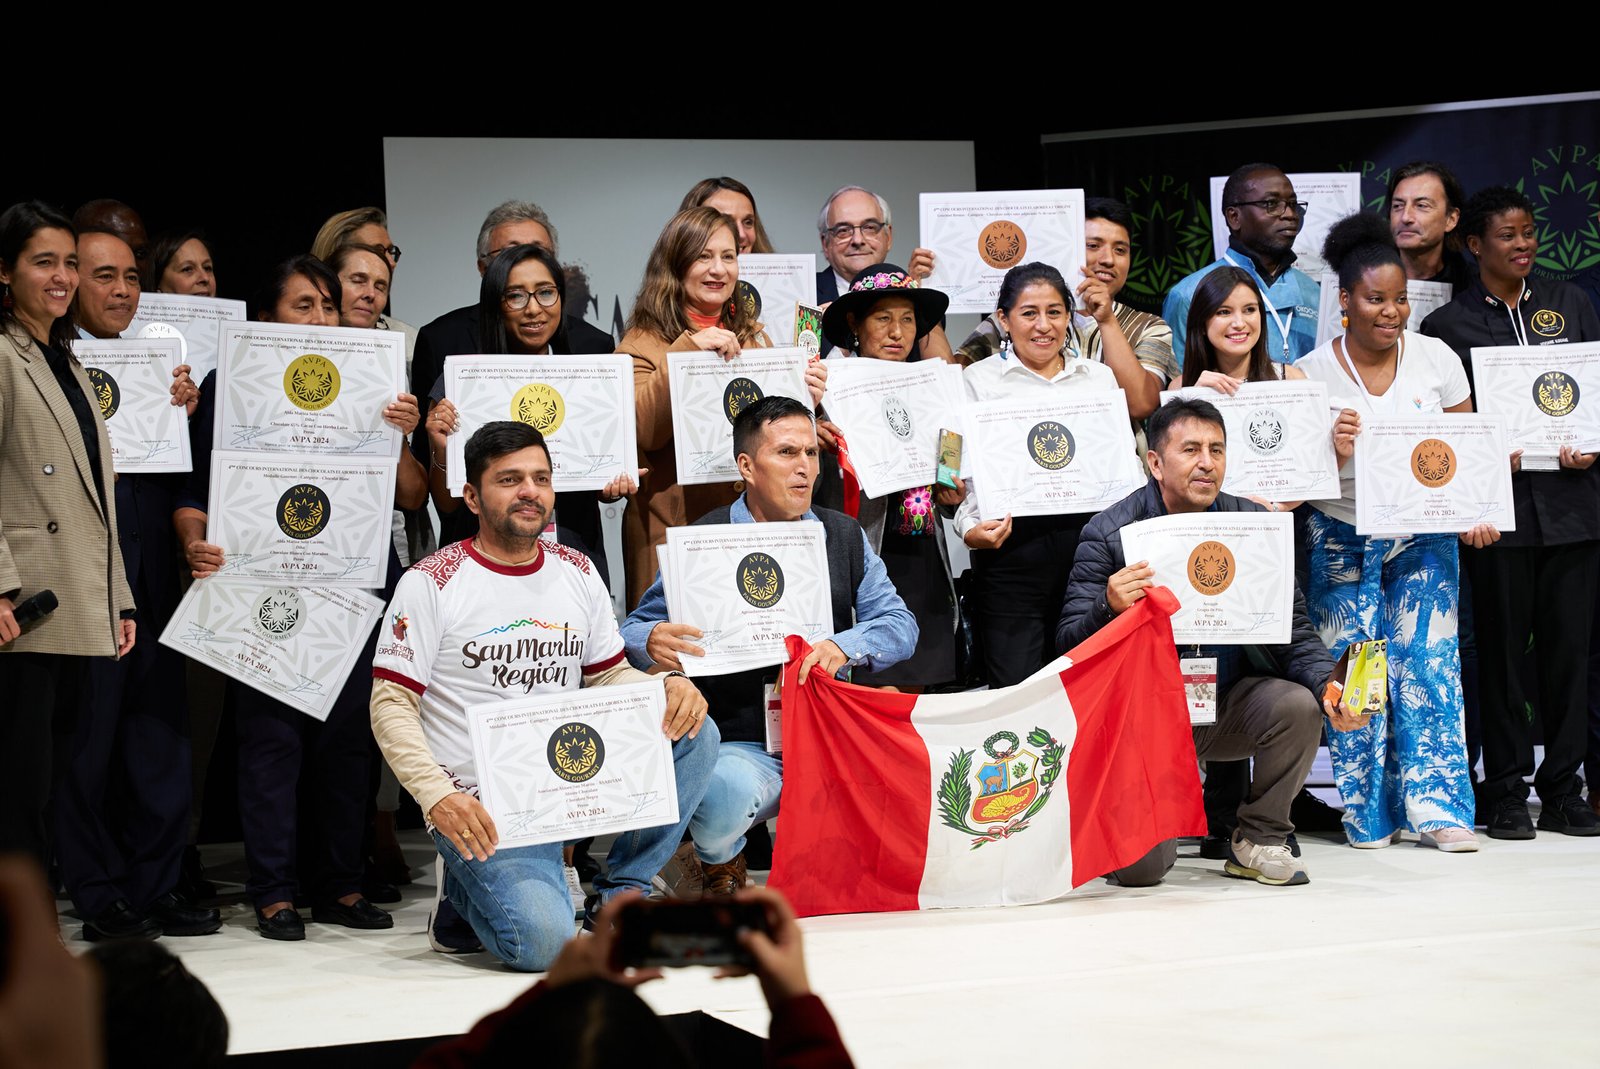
column 463, row 630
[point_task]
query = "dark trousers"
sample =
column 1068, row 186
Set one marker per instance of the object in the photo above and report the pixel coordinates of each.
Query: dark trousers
column 286, row 757
column 1547, row 591
column 121, row 800
column 32, row 687
column 1020, row 589
column 1591, row 763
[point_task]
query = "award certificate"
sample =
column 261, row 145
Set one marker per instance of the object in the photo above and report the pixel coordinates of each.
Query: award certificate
column 773, row 286
column 1061, row 453
column 747, row 586
column 708, row 392
column 317, row 391
column 1280, row 441
column 977, row 237
column 1232, row 572
column 296, row 644
column 132, row 380
column 1548, row 395
column 1432, row 475
column 891, row 415
column 192, row 320
column 554, row 767
column 318, row 520
column 583, row 405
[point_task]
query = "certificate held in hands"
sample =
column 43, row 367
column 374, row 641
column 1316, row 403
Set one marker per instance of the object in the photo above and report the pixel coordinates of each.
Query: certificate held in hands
column 1279, row 436
column 1232, row 572
column 320, row 391
column 773, row 286
column 1441, row 474
column 1051, row 456
column 1549, row 396
column 555, row 767
column 132, row 382
column 324, row 521
column 891, row 415
column 583, row 405
column 977, row 237
column 747, row 586
column 193, row 321
column 708, row 392
column 296, row 644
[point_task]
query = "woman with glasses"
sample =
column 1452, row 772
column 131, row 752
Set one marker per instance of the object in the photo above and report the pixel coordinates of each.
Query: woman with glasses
column 686, row 303
column 520, row 304
column 366, row 226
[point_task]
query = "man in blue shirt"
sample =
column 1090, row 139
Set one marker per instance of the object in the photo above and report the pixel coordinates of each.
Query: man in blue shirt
column 775, row 442
column 1263, row 217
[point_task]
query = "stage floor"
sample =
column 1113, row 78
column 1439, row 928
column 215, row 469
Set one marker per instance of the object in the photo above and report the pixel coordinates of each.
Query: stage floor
column 1477, row 959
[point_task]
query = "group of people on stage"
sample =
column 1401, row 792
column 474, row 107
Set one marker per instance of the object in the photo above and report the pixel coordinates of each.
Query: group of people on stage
column 317, row 801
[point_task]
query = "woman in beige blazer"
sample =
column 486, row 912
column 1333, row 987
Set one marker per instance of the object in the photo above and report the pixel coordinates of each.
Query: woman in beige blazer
column 58, row 524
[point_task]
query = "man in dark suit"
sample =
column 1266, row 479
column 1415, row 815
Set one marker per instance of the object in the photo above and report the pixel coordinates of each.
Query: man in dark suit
column 856, row 231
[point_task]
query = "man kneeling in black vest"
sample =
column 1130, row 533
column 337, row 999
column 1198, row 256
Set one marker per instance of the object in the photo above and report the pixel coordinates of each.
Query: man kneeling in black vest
column 775, row 443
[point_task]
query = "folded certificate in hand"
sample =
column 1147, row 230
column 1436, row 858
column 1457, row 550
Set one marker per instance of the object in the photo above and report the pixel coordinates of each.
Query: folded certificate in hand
column 566, row 766
column 747, row 586
column 1232, row 572
column 1280, row 438
column 708, row 392
column 132, row 381
column 774, row 285
column 583, row 405
column 891, row 415
column 320, row 391
column 1549, row 396
column 193, row 320
column 977, row 237
column 296, row 644
column 1055, row 455
column 320, row 520
column 1441, row 474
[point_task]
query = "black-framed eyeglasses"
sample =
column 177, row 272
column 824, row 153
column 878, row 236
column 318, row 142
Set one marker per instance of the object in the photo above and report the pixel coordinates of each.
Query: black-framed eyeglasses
column 1273, row 205
column 394, row 253
column 845, row 231
column 517, row 300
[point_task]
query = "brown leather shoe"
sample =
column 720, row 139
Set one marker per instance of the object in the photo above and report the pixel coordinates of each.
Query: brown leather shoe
column 724, row 879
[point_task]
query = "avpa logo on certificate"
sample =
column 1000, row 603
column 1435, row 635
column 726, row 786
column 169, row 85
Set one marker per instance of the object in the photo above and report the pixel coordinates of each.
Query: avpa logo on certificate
column 311, row 382
column 1433, row 463
column 540, row 406
column 106, row 391
column 738, row 395
column 1051, row 445
column 1212, row 568
column 1556, row 393
column 576, row 752
column 760, row 580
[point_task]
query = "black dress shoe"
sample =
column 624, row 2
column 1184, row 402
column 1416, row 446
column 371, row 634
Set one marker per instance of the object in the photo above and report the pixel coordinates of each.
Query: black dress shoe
column 284, row 924
column 192, row 882
column 375, row 889
column 359, row 914
column 1309, row 813
column 120, row 921
column 179, row 917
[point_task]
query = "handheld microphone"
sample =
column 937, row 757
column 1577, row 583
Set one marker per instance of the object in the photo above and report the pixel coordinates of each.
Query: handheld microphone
column 31, row 610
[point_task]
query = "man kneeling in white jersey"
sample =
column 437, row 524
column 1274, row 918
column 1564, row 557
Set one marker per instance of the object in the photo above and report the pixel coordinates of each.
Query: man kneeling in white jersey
column 438, row 659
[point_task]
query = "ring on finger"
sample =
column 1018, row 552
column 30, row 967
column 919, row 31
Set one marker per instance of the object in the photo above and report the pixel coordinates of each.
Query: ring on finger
column 466, row 834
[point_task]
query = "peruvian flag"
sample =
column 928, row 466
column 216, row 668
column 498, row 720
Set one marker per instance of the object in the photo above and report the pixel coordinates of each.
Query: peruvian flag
column 988, row 798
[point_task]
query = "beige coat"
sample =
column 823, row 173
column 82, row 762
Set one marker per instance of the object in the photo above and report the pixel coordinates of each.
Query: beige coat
column 53, row 535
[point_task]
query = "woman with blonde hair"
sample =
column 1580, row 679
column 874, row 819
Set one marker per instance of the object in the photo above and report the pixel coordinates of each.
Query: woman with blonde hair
column 685, row 304
column 732, row 198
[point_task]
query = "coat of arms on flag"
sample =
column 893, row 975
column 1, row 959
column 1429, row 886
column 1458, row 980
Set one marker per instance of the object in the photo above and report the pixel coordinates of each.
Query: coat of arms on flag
column 1012, row 784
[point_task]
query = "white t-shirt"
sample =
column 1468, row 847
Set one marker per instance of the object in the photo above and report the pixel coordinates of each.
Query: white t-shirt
column 463, row 630
column 1429, row 380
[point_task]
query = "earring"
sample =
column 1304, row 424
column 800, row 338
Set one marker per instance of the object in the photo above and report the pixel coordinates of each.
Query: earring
column 1005, row 346
column 1344, row 320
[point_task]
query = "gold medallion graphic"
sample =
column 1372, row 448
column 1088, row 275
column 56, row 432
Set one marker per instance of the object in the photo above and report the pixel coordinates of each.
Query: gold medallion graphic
column 1556, row 393
column 1002, row 244
column 760, row 580
column 303, row 511
column 576, row 752
column 1051, row 446
column 106, row 391
column 1433, row 463
column 738, row 395
column 1212, row 568
column 540, row 407
column 311, row 382
column 748, row 298
column 1548, row 322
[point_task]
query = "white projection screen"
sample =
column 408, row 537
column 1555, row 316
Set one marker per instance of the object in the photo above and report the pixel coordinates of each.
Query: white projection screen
column 610, row 197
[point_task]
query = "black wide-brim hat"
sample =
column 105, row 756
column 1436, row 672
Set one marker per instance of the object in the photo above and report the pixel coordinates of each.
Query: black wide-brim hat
column 872, row 285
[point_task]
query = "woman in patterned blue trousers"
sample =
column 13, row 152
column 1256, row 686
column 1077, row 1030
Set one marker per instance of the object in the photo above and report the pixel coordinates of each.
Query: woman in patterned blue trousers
column 1407, row 769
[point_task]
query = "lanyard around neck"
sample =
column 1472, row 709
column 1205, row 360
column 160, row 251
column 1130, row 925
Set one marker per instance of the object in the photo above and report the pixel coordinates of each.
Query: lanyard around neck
column 1283, row 324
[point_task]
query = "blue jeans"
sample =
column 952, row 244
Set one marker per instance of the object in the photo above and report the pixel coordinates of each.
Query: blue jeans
column 744, row 789
column 517, row 900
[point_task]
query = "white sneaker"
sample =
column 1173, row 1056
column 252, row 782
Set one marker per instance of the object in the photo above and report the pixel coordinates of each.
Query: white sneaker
column 682, row 876
column 1377, row 844
column 1273, row 865
column 1451, row 840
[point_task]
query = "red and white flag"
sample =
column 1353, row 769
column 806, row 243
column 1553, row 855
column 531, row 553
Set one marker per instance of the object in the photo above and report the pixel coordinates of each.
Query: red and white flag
column 988, row 798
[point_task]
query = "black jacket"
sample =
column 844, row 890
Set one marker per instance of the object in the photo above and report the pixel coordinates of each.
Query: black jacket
column 1303, row 660
column 1553, row 508
column 456, row 332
